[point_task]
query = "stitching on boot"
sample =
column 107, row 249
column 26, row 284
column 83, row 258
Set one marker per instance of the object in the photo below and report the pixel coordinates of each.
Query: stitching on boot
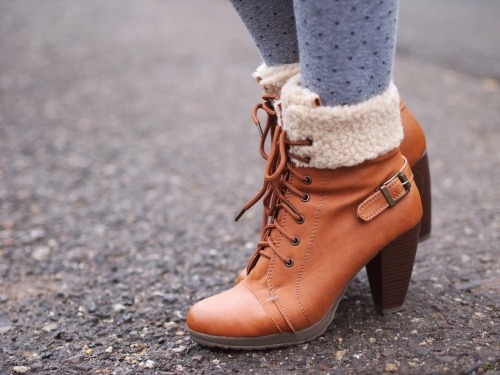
column 268, row 313
column 273, row 289
column 309, row 247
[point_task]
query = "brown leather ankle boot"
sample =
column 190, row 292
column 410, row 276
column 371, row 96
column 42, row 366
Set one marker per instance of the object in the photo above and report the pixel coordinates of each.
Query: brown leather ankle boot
column 324, row 225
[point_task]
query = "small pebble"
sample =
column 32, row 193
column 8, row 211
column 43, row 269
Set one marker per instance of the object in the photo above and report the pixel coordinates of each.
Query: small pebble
column 179, row 349
column 149, row 364
column 109, row 349
column 20, row 369
column 339, row 355
column 4, row 328
column 118, row 307
column 391, row 367
column 50, row 327
column 40, row 253
column 37, row 234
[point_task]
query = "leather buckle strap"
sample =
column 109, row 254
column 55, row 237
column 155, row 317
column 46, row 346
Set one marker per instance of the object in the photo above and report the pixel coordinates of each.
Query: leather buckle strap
column 388, row 194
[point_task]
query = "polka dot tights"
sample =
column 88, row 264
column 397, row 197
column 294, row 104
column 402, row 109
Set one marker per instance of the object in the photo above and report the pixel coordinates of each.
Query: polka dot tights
column 346, row 47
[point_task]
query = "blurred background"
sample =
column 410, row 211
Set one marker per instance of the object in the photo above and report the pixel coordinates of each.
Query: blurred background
column 126, row 148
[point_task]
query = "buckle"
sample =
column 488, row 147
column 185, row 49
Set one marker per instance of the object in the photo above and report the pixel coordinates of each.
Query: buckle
column 385, row 190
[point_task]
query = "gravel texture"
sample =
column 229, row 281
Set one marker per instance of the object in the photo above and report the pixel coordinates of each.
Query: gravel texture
column 126, row 148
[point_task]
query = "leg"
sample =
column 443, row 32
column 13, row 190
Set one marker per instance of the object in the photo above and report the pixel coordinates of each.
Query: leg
column 271, row 25
column 346, row 48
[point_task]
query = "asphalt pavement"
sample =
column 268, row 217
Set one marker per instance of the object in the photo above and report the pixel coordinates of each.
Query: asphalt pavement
column 126, row 148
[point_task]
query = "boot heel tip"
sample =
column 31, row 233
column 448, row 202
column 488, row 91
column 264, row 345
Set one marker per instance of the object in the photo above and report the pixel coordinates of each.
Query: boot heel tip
column 390, row 310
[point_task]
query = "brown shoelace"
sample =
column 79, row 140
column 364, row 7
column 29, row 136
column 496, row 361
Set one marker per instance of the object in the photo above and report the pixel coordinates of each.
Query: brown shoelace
column 279, row 168
column 268, row 106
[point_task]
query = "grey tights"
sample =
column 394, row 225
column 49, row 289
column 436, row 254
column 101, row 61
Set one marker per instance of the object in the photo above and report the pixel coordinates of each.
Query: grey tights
column 346, row 47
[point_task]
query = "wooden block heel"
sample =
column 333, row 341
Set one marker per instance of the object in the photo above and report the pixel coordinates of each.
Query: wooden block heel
column 389, row 272
column 423, row 181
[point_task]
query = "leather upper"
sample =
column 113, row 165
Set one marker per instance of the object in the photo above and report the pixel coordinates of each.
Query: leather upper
column 413, row 145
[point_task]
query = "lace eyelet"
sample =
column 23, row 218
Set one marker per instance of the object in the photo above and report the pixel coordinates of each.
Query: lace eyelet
column 307, row 180
column 295, row 241
column 289, row 262
column 305, row 198
column 300, row 220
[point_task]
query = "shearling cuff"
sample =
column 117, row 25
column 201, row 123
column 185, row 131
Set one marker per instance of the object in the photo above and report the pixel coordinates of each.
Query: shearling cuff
column 342, row 136
column 272, row 78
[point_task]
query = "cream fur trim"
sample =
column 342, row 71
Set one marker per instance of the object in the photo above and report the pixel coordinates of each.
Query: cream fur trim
column 342, row 136
column 272, row 78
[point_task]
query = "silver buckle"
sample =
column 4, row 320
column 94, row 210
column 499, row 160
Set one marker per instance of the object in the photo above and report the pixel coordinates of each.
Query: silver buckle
column 404, row 181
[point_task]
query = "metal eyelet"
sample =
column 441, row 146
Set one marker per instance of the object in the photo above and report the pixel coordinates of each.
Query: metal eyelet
column 307, row 180
column 305, row 198
column 300, row 220
column 295, row 241
column 289, row 262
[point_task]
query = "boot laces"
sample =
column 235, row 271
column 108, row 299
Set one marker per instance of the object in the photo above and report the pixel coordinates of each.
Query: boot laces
column 270, row 106
column 276, row 186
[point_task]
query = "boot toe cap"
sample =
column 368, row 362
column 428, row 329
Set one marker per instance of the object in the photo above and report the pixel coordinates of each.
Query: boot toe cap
column 233, row 313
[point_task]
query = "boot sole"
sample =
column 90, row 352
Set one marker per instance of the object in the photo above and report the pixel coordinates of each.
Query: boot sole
column 388, row 292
